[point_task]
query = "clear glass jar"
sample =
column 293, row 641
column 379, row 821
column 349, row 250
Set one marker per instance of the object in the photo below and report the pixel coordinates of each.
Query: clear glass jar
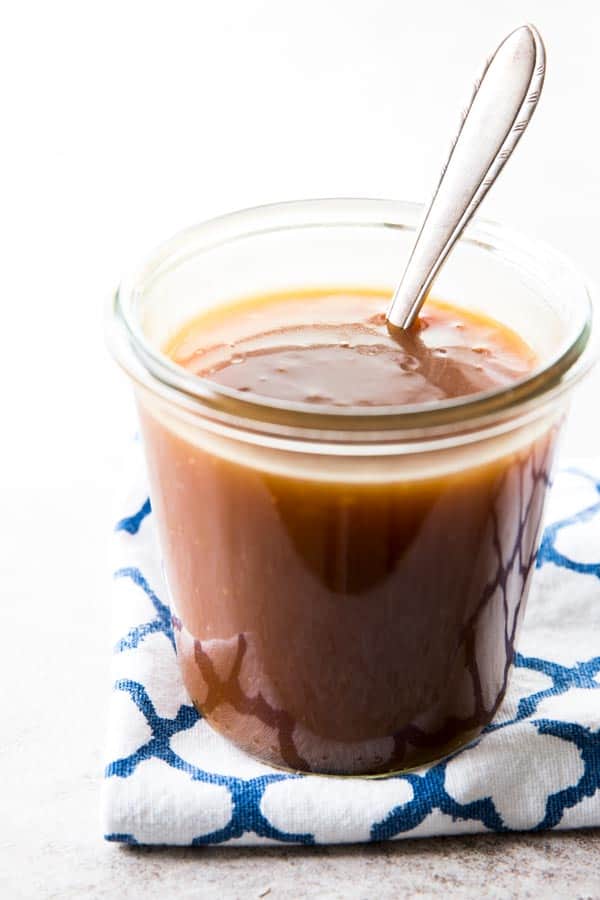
column 347, row 584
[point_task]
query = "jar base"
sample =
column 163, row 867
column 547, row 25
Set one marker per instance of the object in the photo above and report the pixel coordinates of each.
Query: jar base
column 461, row 742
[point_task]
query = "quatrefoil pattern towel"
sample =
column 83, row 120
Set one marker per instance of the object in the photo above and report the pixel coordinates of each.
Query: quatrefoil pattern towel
column 171, row 780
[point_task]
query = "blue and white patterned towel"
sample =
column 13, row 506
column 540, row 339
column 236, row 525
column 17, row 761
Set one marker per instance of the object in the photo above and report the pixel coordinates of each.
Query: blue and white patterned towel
column 171, row 780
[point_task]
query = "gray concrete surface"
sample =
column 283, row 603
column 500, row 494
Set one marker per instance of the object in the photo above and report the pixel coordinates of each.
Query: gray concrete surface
column 557, row 865
column 565, row 865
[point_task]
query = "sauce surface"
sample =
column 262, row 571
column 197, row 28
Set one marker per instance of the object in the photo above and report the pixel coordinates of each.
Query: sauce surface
column 346, row 624
column 334, row 348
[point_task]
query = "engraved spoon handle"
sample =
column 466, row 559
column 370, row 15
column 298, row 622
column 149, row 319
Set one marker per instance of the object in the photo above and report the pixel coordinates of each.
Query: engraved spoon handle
column 502, row 104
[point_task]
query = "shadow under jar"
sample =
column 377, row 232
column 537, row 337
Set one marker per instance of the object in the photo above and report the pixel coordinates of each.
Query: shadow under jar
column 347, row 584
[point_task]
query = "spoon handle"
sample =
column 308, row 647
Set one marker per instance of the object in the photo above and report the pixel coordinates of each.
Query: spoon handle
column 502, row 104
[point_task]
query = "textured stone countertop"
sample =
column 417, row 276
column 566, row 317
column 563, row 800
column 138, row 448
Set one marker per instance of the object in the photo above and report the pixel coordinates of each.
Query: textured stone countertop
column 557, row 865
column 544, row 865
column 126, row 121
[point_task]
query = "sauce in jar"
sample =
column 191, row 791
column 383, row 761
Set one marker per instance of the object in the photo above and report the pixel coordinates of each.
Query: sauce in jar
column 339, row 615
column 334, row 348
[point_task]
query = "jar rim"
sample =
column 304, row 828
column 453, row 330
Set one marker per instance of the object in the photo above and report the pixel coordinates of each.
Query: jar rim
column 154, row 371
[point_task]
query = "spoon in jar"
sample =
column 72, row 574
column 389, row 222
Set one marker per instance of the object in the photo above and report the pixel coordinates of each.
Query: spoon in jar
column 502, row 104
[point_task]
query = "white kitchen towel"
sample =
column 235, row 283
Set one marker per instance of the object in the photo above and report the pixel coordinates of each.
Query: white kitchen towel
column 170, row 779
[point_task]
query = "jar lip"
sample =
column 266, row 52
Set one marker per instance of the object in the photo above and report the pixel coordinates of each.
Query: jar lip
column 157, row 372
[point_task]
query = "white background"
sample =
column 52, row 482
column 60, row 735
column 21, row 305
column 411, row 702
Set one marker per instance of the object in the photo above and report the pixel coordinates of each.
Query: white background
column 123, row 122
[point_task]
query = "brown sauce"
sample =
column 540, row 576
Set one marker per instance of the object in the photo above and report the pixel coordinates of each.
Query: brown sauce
column 349, row 616
column 334, row 348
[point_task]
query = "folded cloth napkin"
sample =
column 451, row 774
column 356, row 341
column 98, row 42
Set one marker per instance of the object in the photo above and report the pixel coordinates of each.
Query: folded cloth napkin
column 170, row 779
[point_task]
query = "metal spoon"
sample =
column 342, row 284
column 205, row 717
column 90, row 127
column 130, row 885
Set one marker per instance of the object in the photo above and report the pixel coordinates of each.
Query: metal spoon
column 502, row 104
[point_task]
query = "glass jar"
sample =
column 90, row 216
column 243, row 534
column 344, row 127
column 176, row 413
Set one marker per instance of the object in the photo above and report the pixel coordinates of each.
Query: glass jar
column 347, row 584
